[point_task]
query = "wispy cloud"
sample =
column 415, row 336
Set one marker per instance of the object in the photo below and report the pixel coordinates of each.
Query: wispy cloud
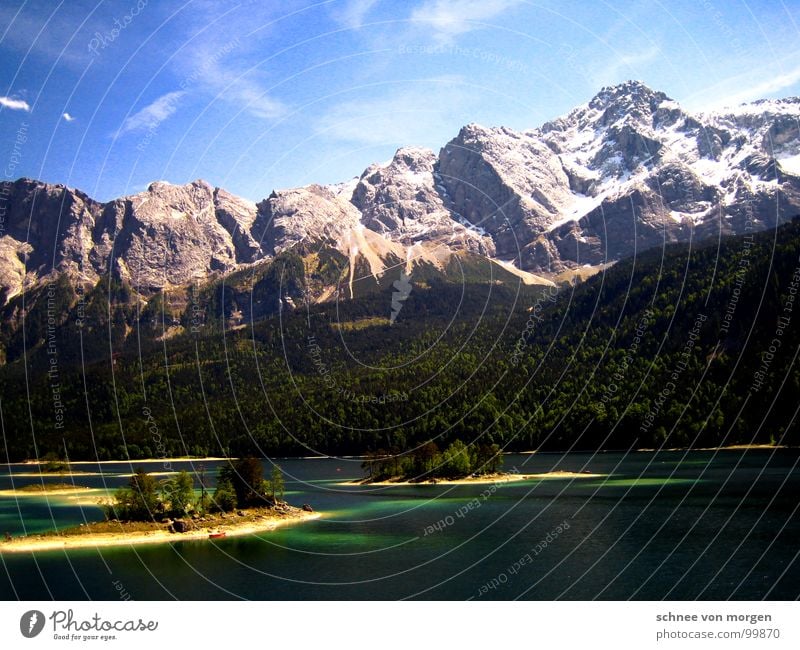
column 67, row 117
column 244, row 91
column 152, row 115
column 221, row 64
column 407, row 115
column 756, row 87
column 14, row 104
column 450, row 18
column 354, row 12
column 624, row 65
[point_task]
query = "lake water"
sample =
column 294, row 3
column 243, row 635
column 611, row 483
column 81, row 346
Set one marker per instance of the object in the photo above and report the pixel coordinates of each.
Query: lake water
column 676, row 525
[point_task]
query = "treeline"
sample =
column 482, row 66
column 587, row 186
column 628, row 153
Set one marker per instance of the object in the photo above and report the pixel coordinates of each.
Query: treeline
column 427, row 463
column 239, row 485
column 670, row 348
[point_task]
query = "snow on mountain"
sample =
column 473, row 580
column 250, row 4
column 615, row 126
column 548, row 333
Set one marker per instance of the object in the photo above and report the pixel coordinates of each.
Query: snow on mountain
column 628, row 170
column 405, row 200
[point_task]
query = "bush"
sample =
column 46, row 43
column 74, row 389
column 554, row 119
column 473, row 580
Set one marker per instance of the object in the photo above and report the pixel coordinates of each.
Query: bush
column 178, row 493
column 456, row 461
column 224, row 498
column 138, row 501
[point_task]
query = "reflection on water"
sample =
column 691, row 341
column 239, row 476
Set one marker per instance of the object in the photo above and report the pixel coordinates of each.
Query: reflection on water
column 710, row 525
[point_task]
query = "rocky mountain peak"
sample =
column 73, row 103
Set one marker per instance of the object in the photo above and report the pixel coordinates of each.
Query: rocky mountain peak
column 414, row 159
column 630, row 99
column 627, row 170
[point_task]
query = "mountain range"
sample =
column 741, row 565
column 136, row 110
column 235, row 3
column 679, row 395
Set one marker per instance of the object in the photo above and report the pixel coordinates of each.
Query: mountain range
column 627, row 171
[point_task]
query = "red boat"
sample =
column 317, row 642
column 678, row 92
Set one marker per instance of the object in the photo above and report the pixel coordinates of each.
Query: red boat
column 216, row 535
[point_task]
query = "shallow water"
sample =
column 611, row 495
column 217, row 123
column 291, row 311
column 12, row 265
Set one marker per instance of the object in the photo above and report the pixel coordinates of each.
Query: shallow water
column 710, row 525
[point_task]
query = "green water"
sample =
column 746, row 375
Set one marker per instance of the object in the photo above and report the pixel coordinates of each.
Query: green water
column 709, row 525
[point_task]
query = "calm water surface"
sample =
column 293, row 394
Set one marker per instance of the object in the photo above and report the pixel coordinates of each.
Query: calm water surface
column 677, row 525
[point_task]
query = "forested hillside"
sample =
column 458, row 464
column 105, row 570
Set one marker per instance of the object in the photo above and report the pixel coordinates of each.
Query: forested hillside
column 689, row 345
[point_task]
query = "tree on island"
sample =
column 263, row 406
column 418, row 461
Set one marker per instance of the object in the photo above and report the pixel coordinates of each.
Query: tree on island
column 276, row 483
column 241, row 484
column 177, row 494
column 426, row 458
column 456, row 461
column 224, row 498
column 138, row 501
column 52, row 463
column 488, row 459
column 426, row 462
column 247, row 477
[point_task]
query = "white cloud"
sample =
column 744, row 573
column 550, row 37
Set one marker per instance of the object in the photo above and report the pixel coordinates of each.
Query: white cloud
column 749, row 87
column 67, row 117
column 421, row 114
column 152, row 115
column 211, row 67
column 14, row 104
column 248, row 95
column 354, row 12
column 624, row 66
column 225, row 58
column 449, row 18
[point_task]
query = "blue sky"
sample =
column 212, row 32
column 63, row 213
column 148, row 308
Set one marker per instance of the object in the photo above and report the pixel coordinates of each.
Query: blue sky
column 252, row 96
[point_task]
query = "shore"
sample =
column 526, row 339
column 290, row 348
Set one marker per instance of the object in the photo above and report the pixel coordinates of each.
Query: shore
column 105, row 534
column 177, row 459
column 725, row 448
column 38, row 490
column 488, row 479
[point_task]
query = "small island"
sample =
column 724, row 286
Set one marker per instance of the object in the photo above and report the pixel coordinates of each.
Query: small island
column 147, row 511
column 46, row 489
column 458, row 464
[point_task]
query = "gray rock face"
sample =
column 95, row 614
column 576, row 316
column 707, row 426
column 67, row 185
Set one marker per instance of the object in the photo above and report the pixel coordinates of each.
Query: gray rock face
column 305, row 217
column 406, row 201
column 47, row 228
column 171, row 234
column 628, row 170
column 508, row 184
column 164, row 236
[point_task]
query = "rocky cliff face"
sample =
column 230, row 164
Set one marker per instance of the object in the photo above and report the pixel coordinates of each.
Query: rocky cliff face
column 407, row 201
column 627, row 171
column 162, row 237
column 644, row 172
column 305, row 217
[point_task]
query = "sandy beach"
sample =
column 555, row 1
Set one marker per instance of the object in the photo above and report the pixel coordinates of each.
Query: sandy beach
column 179, row 459
column 37, row 490
column 66, row 474
column 231, row 525
column 483, row 480
column 725, row 448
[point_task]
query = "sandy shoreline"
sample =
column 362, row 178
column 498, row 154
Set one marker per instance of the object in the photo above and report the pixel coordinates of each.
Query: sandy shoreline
column 83, row 491
column 53, row 474
column 483, row 480
column 726, row 448
column 183, row 459
column 53, row 542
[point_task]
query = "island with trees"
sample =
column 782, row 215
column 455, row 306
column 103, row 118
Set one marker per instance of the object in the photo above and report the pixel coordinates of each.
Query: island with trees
column 147, row 510
column 459, row 463
column 428, row 464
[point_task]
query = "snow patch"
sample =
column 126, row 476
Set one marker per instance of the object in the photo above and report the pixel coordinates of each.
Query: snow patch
column 790, row 164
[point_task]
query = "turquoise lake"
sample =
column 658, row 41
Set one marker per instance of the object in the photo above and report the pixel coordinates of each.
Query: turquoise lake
column 677, row 525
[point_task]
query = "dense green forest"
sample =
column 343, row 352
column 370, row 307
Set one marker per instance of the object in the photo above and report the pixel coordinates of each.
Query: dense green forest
column 685, row 345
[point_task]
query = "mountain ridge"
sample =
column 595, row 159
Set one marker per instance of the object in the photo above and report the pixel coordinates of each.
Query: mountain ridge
column 628, row 170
